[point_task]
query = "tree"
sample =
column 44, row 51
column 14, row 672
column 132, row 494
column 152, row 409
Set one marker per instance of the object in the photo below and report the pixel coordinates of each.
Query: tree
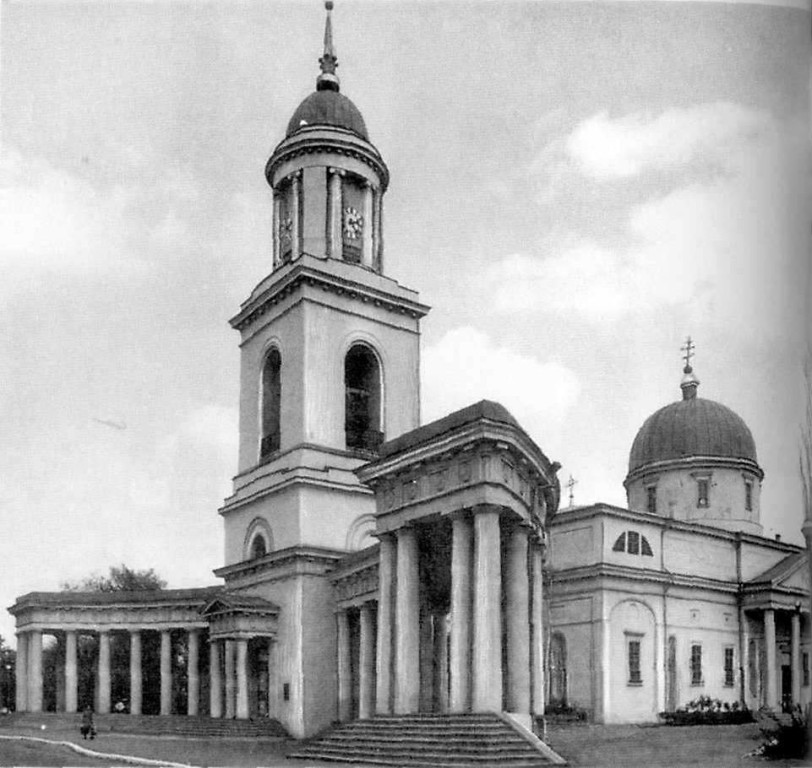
column 8, row 658
column 120, row 579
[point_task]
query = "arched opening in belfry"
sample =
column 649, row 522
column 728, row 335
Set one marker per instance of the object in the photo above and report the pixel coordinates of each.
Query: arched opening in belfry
column 362, row 387
column 271, row 403
column 259, row 548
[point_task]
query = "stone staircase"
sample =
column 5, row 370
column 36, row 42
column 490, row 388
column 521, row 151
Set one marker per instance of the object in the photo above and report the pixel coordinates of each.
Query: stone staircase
column 152, row 725
column 431, row 740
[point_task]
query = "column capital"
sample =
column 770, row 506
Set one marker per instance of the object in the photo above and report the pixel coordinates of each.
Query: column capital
column 482, row 509
column 336, row 171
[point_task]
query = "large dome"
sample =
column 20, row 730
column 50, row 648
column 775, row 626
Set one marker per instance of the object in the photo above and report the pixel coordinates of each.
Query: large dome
column 688, row 428
column 328, row 107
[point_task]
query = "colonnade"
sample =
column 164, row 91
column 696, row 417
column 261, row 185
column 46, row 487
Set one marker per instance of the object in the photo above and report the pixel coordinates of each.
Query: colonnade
column 412, row 671
column 229, row 678
column 772, row 675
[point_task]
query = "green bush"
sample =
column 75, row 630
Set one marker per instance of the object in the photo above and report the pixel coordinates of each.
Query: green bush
column 708, row 711
column 786, row 735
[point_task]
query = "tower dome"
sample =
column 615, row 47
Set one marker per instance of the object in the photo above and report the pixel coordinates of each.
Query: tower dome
column 328, row 107
column 696, row 459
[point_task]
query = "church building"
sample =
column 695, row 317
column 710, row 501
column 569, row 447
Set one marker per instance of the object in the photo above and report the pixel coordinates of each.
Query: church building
column 375, row 566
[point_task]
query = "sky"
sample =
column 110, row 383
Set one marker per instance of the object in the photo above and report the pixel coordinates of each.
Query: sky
column 575, row 188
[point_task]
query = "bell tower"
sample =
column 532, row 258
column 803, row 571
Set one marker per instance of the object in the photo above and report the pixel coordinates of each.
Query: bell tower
column 329, row 344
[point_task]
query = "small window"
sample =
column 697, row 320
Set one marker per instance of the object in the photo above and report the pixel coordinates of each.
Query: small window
column 258, row 547
column 620, row 543
column 805, row 666
column 645, row 547
column 696, row 664
column 633, row 658
column 633, row 542
column 729, row 669
column 651, row 499
column 748, row 495
column 271, row 404
column 702, row 492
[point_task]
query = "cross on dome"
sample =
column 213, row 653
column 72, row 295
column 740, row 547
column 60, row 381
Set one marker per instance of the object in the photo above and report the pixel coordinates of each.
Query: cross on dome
column 688, row 349
column 689, row 382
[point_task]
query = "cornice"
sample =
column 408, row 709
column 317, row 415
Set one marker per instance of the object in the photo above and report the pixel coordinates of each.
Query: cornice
column 695, row 462
column 301, row 276
column 279, row 560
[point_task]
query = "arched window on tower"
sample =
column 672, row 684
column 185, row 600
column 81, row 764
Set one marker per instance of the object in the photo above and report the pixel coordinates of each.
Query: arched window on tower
column 258, row 547
column 271, row 403
column 362, row 387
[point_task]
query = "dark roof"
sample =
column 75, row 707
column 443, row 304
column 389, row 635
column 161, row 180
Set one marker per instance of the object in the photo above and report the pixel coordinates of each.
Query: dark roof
column 484, row 409
column 780, row 569
column 328, row 108
column 196, row 595
column 236, row 601
column 692, row 427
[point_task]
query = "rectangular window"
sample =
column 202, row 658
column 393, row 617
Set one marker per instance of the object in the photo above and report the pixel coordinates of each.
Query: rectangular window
column 633, row 657
column 696, row 664
column 805, row 667
column 702, row 488
column 748, row 495
column 729, row 670
column 633, row 543
column 651, row 499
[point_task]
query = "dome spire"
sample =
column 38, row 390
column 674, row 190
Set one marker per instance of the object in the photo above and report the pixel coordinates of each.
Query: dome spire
column 328, row 79
column 689, row 382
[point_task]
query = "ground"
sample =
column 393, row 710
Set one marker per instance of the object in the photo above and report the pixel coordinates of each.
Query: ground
column 582, row 745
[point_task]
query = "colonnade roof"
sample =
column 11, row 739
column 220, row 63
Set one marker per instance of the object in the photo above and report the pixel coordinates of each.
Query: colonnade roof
column 198, row 595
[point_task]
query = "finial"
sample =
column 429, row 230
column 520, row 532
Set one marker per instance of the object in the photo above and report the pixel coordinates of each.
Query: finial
column 328, row 80
column 571, row 483
column 689, row 382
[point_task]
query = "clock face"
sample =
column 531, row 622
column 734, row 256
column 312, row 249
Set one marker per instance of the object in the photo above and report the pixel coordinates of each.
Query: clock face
column 353, row 223
column 286, row 229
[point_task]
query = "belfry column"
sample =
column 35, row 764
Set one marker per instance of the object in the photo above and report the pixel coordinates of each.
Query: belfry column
column 770, row 682
column 21, row 673
column 229, row 673
column 215, row 680
column 334, row 213
column 407, row 625
column 366, row 242
column 35, row 671
column 277, row 209
column 486, row 693
column 344, row 667
column 537, row 628
column 296, row 218
column 377, row 230
column 166, row 672
column 104, row 672
column 795, row 657
column 136, row 690
column 242, row 679
column 386, row 570
column 518, row 623
column 71, row 672
column 366, row 664
column 192, row 673
column 460, row 651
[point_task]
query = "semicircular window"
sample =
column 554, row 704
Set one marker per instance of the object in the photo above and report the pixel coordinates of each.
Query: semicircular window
column 634, row 543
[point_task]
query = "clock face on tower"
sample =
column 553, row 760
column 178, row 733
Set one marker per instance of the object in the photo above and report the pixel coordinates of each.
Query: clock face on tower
column 353, row 223
column 286, row 230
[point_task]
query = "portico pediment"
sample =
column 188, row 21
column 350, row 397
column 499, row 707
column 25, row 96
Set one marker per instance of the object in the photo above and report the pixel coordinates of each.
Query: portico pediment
column 234, row 616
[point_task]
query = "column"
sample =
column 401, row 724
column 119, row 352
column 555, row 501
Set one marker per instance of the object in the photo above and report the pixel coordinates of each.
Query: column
column 486, row 692
column 795, row 657
column 440, row 662
column 426, row 675
column 166, row 672
column 377, row 231
column 215, row 680
column 386, row 572
column 103, row 674
column 770, row 681
column 229, row 673
column 60, row 671
column 334, row 213
column 407, row 625
column 460, row 651
column 273, row 681
column 366, row 242
column 193, row 673
column 517, row 604
column 71, row 673
column 277, row 250
column 366, row 663
column 35, row 671
column 344, row 667
column 21, row 673
column 136, row 689
column 242, row 679
column 296, row 218
column 537, row 629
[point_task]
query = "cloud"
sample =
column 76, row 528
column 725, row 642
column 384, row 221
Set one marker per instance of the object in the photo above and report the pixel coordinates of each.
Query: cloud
column 727, row 243
column 603, row 148
column 538, row 393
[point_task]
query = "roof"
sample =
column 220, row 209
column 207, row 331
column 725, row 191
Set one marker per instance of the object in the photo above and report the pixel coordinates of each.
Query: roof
column 196, row 595
column 230, row 601
column 781, row 569
column 327, row 107
column 484, row 409
column 693, row 427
